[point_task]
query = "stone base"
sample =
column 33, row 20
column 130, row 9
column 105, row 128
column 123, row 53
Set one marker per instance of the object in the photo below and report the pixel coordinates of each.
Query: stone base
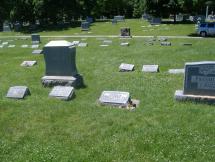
column 180, row 96
column 74, row 81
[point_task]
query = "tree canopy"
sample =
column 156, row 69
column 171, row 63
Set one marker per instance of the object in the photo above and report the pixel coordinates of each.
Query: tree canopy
column 54, row 11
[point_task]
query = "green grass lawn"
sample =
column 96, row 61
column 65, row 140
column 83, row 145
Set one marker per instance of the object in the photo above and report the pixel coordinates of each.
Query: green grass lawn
column 40, row 128
column 138, row 27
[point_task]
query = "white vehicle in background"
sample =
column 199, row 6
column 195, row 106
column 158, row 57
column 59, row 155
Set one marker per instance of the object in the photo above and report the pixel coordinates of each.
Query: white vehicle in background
column 206, row 29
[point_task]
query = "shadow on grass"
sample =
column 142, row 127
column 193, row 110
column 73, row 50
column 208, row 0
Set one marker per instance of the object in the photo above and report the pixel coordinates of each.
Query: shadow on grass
column 178, row 22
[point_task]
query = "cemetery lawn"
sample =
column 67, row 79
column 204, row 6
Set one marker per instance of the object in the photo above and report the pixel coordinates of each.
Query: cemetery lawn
column 142, row 28
column 40, row 128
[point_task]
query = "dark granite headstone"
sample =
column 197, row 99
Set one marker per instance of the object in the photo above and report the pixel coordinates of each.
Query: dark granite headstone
column 18, row 92
column 85, row 26
column 89, row 19
column 62, row 92
column 60, row 62
column 35, row 38
column 199, row 81
column 155, row 21
column 125, row 32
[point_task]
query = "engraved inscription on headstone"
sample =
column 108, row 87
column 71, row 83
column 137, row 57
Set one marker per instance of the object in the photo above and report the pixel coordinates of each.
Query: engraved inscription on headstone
column 150, row 68
column 126, row 67
column 199, row 82
column 18, row 92
column 62, row 92
column 114, row 98
column 28, row 63
column 200, row 78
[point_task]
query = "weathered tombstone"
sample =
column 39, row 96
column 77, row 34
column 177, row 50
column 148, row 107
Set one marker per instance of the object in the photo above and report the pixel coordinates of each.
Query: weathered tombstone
column 28, row 63
column 125, row 32
column 124, row 44
column 119, row 18
column 37, row 51
column 126, row 67
column 82, row 45
column 118, row 99
column 166, row 44
column 176, row 71
column 6, row 27
column 18, row 92
column 155, row 21
column 199, row 82
column 61, row 65
column 62, row 92
column 150, row 68
column 35, row 38
column 17, row 26
column 85, row 26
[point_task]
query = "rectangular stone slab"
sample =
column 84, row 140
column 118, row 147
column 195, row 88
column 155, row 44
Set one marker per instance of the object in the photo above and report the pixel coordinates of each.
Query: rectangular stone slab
column 124, row 44
column 200, row 78
column 150, row 68
column 176, row 71
column 82, row 45
column 28, row 63
column 126, row 67
column 114, row 98
column 62, row 92
column 24, row 46
column 11, row 46
column 37, row 51
column 35, row 46
column 18, row 92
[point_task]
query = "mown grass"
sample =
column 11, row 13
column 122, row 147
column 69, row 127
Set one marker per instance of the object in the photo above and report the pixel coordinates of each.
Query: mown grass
column 40, row 128
column 138, row 27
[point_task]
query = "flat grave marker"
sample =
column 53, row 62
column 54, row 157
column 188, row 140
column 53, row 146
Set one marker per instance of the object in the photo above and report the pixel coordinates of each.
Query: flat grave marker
column 28, row 63
column 11, row 46
column 18, row 92
column 37, row 51
column 35, row 46
column 150, row 68
column 126, row 67
column 62, row 92
column 176, row 71
column 124, row 44
column 82, row 45
column 24, row 46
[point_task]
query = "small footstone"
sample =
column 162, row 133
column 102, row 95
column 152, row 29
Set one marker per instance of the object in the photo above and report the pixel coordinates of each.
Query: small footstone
column 18, row 92
column 104, row 45
column 35, row 46
column 28, row 63
column 82, row 45
column 150, row 68
column 24, row 46
column 11, row 46
column 126, row 67
column 124, row 44
column 166, row 44
column 37, row 51
column 62, row 92
column 176, row 71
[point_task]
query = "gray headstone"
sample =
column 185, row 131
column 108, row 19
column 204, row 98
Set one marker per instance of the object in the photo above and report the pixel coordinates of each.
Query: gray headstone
column 150, row 68
column 35, row 38
column 89, row 19
column 6, row 27
column 200, row 78
column 126, row 67
column 85, row 26
column 18, row 92
column 62, row 92
column 166, row 44
column 28, row 63
column 60, row 60
column 176, row 71
column 35, row 46
column 37, row 51
column 125, row 32
column 114, row 98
